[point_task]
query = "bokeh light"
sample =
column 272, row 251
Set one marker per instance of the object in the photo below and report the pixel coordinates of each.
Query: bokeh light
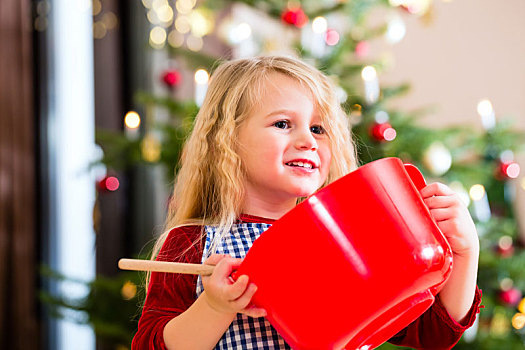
column 165, row 13
column 97, row 7
column 512, row 170
column 521, row 306
column 99, row 30
column 485, row 107
column 201, row 76
column 110, row 20
column 128, row 290
column 157, row 37
column 518, row 321
column 183, row 24
column 396, row 30
column 381, row 117
column 110, row 183
column 239, row 33
column 194, row 43
column 505, row 242
column 477, row 192
column 201, row 22
column 132, row 120
column 369, row 73
column 389, row 134
column 331, row 37
column 175, row 39
column 319, row 25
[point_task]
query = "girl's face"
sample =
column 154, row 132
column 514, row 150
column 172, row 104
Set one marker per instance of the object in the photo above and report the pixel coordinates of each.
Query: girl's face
column 283, row 145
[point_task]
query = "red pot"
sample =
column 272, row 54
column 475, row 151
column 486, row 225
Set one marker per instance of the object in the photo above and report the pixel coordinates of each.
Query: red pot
column 354, row 263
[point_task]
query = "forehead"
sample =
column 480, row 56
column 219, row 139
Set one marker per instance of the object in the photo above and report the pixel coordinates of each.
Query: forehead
column 280, row 91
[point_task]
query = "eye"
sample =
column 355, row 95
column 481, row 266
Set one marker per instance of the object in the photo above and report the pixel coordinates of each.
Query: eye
column 282, row 124
column 317, row 129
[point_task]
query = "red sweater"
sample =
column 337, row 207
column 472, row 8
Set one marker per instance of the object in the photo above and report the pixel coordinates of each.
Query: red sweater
column 170, row 294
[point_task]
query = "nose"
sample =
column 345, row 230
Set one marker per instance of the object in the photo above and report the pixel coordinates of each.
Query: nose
column 305, row 140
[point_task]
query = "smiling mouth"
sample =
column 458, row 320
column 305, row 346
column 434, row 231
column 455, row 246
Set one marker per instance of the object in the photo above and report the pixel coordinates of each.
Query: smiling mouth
column 304, row 165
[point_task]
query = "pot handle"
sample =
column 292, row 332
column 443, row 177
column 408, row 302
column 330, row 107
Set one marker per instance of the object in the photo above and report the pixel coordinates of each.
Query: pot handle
column 416, row 176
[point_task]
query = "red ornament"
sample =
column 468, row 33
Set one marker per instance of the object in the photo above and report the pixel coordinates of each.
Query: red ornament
column 510, row 297
column 331, row 37
column 108, row 184
column 294, row 16
column 506, row 252
column 383, row 132
column 171, row 78
column 508, row 170
column 505, row 247
column 361, row 49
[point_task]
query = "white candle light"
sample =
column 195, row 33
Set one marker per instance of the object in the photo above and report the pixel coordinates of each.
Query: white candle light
column 480, row 203
column 240, row 36
column 201, row 85
column 131, row 125
column 486, row 111
column 369, row 76
column 317, row 43
column 396, row 30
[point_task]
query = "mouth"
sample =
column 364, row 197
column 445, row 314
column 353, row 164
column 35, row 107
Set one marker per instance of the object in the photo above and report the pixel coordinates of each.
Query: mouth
column 302, row 163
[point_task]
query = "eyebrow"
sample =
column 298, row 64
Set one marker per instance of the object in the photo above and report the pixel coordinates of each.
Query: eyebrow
column 280, row 111
column 289, row 112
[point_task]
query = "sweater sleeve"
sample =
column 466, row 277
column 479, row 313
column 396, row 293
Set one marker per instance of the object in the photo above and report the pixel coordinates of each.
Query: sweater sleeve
column 169, row 294
column 435, row 328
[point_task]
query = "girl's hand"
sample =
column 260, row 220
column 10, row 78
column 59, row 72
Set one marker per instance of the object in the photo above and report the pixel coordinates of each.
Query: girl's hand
column 223, row 294
column 453, row 218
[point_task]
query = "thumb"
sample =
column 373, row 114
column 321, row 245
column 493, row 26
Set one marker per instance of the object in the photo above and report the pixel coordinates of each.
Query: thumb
column 215, row 258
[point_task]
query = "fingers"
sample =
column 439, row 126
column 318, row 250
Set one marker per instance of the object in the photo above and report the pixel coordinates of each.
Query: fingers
column 436, row 189
column 440, row 196
column 215, row 258
column 225, row 294
column 224, row 265
column 441, row 201
column 238, row 288
column 442, row 214
column 243, row 300
column 253, row 311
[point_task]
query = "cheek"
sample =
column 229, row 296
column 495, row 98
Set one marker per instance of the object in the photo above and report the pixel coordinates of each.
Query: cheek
column 264, row 154
column 326, row 159
column 271, row 150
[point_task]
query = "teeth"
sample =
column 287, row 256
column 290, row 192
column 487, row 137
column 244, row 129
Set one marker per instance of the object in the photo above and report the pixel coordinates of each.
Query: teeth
column 301, row 164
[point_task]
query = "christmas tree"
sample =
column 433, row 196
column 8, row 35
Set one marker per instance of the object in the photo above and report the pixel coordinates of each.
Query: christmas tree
column 334, row 36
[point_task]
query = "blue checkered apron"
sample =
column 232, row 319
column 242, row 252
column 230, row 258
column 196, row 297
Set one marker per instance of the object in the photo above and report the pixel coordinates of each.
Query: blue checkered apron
column 245, row 332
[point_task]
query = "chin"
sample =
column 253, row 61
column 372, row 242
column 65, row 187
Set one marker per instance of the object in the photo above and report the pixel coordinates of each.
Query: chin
column 305, row 189
column 304, row 192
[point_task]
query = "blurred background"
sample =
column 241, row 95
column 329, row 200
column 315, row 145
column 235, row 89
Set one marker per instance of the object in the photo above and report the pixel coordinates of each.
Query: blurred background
column 97, row 96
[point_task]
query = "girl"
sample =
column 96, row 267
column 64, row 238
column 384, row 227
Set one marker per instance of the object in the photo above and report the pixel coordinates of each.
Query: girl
column 270, row 132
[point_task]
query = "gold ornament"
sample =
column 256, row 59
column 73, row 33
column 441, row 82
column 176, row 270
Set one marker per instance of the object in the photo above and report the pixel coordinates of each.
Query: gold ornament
column 429, row 16
column 150, row 148
column 270, row 45
column 129, row 290
column 499, row 325
column 518, row 321
column 96, row 215
column 521, row 306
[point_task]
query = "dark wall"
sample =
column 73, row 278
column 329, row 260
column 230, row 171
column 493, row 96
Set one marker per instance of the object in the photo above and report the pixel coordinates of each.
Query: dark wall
column 18, row 237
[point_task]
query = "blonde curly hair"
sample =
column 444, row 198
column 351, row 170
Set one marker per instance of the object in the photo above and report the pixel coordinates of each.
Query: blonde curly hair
column 209, row 185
